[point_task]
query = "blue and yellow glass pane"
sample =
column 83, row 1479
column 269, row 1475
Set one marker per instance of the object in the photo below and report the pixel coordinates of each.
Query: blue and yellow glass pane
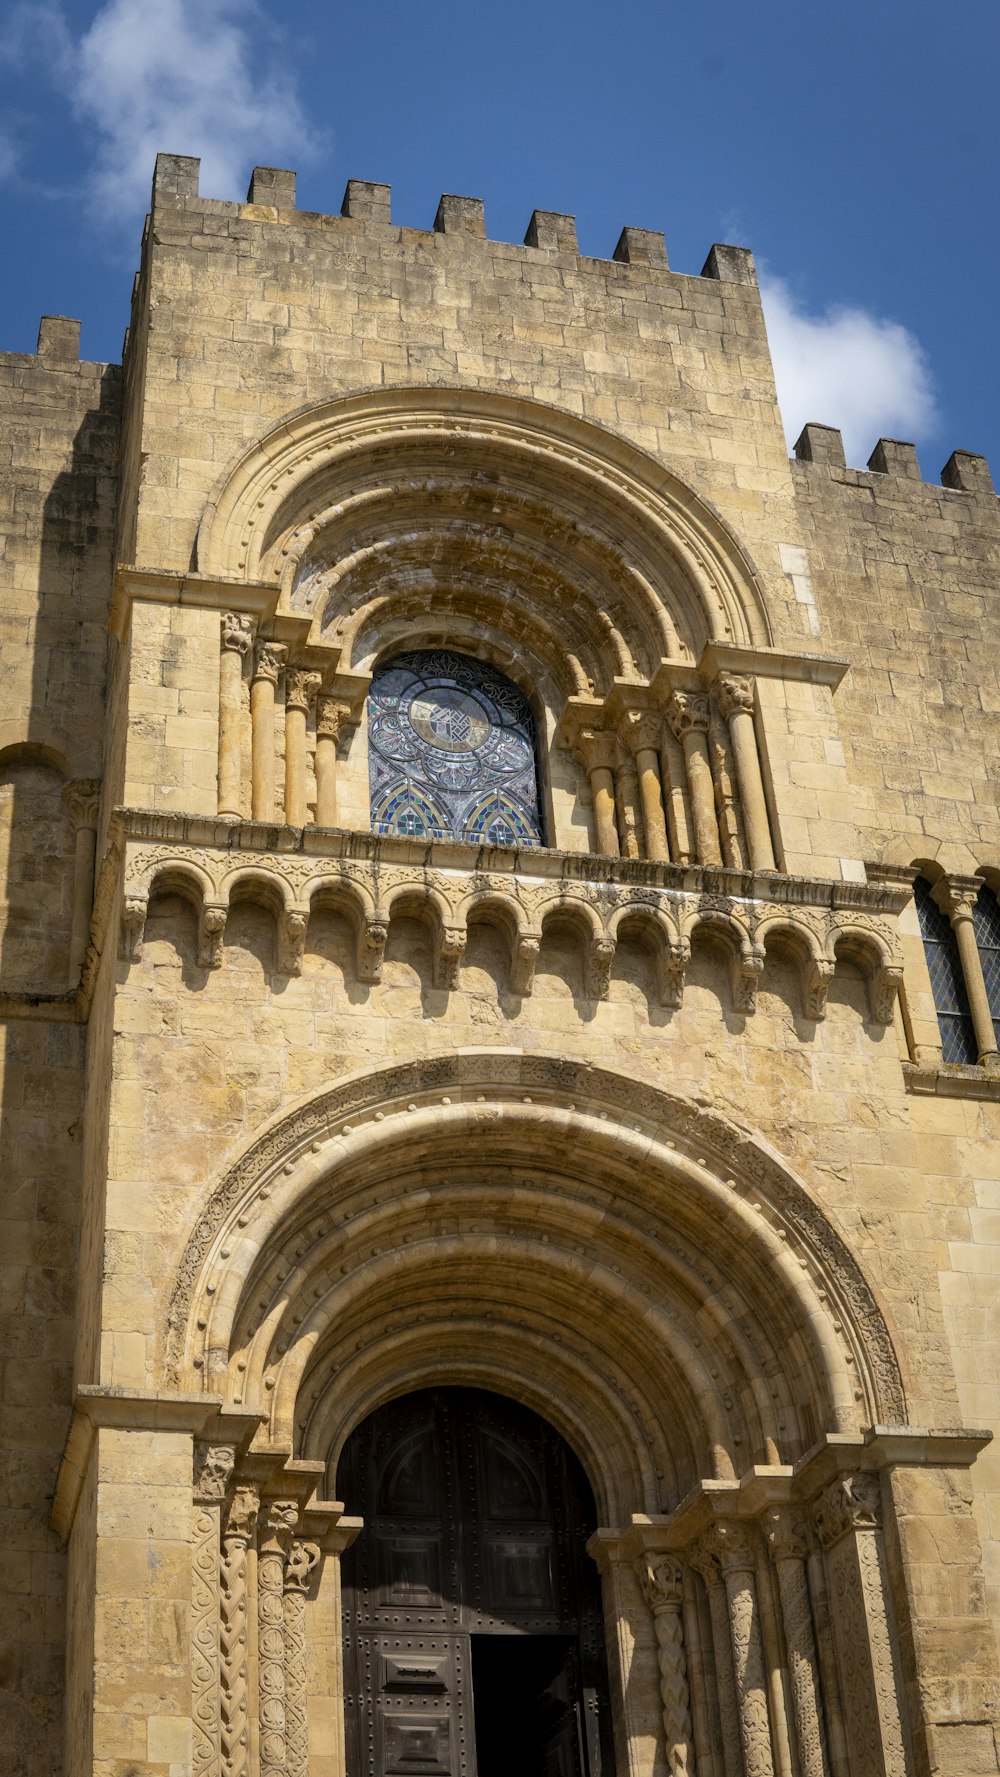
column 451, row 747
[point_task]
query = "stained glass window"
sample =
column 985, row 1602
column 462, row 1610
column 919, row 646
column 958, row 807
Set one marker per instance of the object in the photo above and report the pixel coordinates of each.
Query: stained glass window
column 986, row 925
column 451, row 747
column 958, row 1035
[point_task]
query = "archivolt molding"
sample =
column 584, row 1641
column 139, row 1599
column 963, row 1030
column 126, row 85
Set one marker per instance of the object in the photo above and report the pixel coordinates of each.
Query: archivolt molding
column 359, row 505
column 530, row 1217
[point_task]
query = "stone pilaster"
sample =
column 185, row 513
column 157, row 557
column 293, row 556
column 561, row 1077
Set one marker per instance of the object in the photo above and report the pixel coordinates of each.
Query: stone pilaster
column 849, row 1525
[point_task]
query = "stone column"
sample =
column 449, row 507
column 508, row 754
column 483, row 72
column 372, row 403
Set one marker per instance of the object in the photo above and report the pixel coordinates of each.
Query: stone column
column 662, row 1582
column 300, row 689
column 237, row 637
column 329, row 716
column 82, row 797
column 957, row 896
column 240, row 1523
column 269, row 659
column 789, row 1551
column 598, row 754
column 704, row 1561
column 627, row 809
column 302, row 1558
column 737, row 1559
column 736, row 703
column 641, row 734
column 687, row 714
column 848, row 1522
column 275, row 1538
column 675, row 796
column 213, row 1466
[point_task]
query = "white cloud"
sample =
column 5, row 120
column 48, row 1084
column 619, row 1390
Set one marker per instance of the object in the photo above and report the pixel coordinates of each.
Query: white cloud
column 847, row 368
column 179, row 78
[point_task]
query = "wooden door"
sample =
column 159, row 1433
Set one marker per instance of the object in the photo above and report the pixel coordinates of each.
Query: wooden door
column 476, row 1516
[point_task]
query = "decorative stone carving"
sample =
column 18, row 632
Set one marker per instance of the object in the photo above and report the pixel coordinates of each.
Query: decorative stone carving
column 239, row 1526
column 851, row 1502
column 733, row 1546
column 269, row 660
column 867, row 1646
column 704, row 1562
column 448, row 956
column 133, row 921
column 734, row 693
column 82, row 797
column 273, row 1545
column 292, row 927
column 213, row 1467
column 788, row 1547
column 688, row 712
column 211, row 932
column 302, row 1559
column 527, row 949
column 331, row 716
column 816, row 985
column 600, row 956
column 371, row 950
column 748, row 968
column 672, row 968
column 301, row 687
column 237, row 632
column 883, row 992
column 662, row 1582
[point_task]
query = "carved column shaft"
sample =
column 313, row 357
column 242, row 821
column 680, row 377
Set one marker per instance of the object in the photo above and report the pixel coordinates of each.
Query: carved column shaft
column 662, row 1582
column 237, row 636
column 736, row 701
column 213, row 1465
column 736, row 1558
column 688, row 715
column 82, row 797
column 789, row 1551
column 957, row 896
column 234, row 1633
column 301, row 1561
column 642, row 735
column 268, row 662
column 867, row 1654
column 279, row 1523
column 329, row 716
column 300, row 689
column 674, row 775
column 627, row 808
column 722, row 1648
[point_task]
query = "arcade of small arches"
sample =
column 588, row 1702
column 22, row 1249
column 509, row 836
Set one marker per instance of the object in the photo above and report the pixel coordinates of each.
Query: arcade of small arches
column 652, row 1283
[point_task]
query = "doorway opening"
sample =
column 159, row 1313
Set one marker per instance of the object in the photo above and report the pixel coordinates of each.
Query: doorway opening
column 527, row 1706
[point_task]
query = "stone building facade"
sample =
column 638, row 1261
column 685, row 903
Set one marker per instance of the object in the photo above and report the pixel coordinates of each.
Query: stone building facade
column 499, row 933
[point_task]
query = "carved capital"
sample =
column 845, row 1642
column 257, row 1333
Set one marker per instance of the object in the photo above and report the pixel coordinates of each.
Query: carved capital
column 213, row 1468
column 241, row 1518
column 331, row 717
column 883, row 991
column 957, row 896
column 703, row 1559
column 82, row 796
column 851, row 1502
column 597, row 750
column 662, row 1580
column 268, row 660
column 734, row 693
column 785, row 1534
column 277, row 1525
column 302, row 1559
column 733, row 1546
column 687, row 713
column 237, row 632
column 641, row 732
column 300, row 688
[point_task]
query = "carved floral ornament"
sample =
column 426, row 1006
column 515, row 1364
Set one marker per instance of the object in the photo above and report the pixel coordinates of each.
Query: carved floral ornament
column 669, row 915
column 270, row 1342
column 320, row 500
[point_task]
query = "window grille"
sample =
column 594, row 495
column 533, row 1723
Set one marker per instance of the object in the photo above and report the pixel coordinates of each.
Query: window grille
column 986, row 925
column 951, row 1002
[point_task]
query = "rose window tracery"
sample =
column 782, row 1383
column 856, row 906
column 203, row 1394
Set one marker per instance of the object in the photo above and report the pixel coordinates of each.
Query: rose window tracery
column 451, row 752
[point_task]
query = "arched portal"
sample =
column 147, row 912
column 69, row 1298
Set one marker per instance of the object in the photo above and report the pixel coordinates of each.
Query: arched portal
column 473, row 1638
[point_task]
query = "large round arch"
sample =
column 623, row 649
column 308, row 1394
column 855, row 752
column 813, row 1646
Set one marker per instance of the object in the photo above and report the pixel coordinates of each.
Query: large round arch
column 407, row 516
column 638, row 1270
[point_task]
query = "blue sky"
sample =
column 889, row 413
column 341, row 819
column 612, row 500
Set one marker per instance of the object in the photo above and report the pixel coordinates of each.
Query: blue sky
column 852, row 146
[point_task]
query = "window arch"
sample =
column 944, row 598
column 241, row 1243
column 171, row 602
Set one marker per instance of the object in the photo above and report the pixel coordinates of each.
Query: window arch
column 451, row 749
column 951, row 1000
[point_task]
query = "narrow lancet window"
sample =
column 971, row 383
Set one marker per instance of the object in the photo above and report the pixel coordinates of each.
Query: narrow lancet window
column 986, row 925
column 951, row 1001
column 451, row 746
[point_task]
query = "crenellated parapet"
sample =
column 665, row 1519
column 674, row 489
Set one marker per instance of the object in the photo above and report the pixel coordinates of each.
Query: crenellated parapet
column 371, row 880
